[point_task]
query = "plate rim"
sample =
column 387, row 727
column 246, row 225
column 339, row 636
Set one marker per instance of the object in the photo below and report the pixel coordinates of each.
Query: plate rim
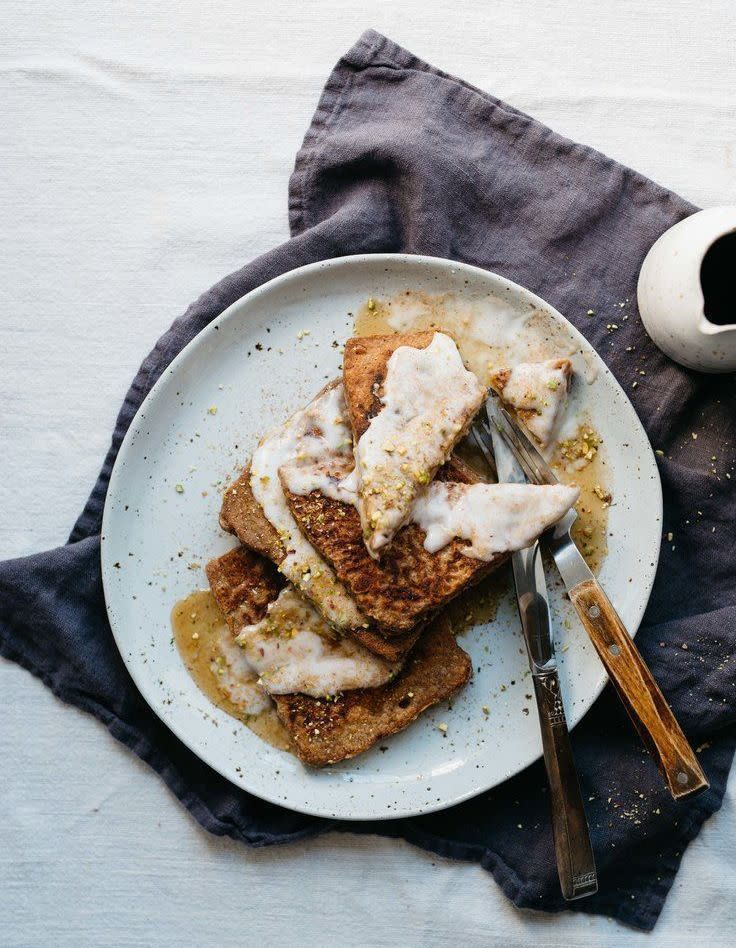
column 125, row 446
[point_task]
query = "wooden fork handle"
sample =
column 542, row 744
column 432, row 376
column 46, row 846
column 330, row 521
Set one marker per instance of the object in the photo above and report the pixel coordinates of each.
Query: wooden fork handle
column 639, row 692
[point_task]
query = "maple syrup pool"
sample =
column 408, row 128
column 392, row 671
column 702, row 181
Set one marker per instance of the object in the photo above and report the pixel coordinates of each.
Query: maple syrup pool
column 205, row 644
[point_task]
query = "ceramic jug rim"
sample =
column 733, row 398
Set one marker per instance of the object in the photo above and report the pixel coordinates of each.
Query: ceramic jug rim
column 706, row 326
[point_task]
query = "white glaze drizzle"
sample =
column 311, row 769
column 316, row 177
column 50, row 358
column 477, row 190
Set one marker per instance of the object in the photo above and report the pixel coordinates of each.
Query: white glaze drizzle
column 428, row 399
column 493, row 518
column 317, row 433
column 292, row 649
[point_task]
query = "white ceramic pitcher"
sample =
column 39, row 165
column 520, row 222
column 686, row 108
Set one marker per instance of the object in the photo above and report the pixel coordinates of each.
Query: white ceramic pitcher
column 687, row 291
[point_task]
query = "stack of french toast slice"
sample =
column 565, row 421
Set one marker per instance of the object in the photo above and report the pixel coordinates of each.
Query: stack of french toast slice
column 358, row 524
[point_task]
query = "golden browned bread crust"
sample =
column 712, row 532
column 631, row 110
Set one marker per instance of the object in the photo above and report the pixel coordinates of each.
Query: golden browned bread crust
column 499, row 379
column 364, row 371
column 324, row 732
column 242, row 515
column 243, row 583
column 408, row 584
column 392, row 649
column 365, row 365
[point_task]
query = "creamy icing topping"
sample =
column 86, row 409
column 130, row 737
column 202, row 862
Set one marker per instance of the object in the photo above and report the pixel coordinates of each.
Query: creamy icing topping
column 333, row 477
column 428, row 399
column 538, row 392
column 293, row 650
column 235, row 676
column 493, row 518
column 317, row 433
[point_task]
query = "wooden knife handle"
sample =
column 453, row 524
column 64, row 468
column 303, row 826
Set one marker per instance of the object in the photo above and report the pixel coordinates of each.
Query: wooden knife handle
column 639, row 692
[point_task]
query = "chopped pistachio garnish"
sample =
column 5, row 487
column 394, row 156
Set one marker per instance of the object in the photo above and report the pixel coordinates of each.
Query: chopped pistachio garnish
column 603, row 495
column 584, row 447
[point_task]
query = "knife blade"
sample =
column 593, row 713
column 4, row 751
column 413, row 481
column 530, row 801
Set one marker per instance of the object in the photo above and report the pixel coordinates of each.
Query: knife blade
column 573, row 849
column 531, row 586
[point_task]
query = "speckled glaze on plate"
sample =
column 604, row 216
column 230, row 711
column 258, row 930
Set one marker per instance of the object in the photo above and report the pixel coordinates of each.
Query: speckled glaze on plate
column 247, row 371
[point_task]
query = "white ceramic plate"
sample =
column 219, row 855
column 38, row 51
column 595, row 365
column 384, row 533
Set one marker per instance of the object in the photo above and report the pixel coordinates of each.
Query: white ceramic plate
column 253, row 366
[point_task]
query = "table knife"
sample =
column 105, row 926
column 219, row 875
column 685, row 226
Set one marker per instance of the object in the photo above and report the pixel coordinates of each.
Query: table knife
column 573, row 850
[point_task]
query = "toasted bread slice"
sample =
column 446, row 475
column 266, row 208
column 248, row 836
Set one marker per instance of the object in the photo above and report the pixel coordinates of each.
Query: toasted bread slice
column 410, row 399
column 293, row 649
column 408, row 584
column 242, row 515
column 325, row 732
column 537, row 391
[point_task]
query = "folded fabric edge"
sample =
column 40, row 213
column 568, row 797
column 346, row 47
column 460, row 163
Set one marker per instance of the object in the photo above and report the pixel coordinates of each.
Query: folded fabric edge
column 373, row 49
column 212, row 303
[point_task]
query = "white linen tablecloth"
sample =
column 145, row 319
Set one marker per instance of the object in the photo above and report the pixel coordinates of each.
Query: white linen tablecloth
column 145, row 149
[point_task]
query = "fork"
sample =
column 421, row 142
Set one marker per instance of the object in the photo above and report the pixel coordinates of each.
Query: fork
column 629, row 674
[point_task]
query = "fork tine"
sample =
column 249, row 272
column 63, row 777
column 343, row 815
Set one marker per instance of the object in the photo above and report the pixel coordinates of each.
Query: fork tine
column 483, row 436
column 526, row 442
column 479, row 436
column 521, row 456
column 526, row 458
column 532, row 450
column 542, row 471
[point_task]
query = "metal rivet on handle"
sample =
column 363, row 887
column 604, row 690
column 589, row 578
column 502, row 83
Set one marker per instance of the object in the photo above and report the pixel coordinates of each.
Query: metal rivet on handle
column 614, row 649
column 682, row 778
column 594, row 612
